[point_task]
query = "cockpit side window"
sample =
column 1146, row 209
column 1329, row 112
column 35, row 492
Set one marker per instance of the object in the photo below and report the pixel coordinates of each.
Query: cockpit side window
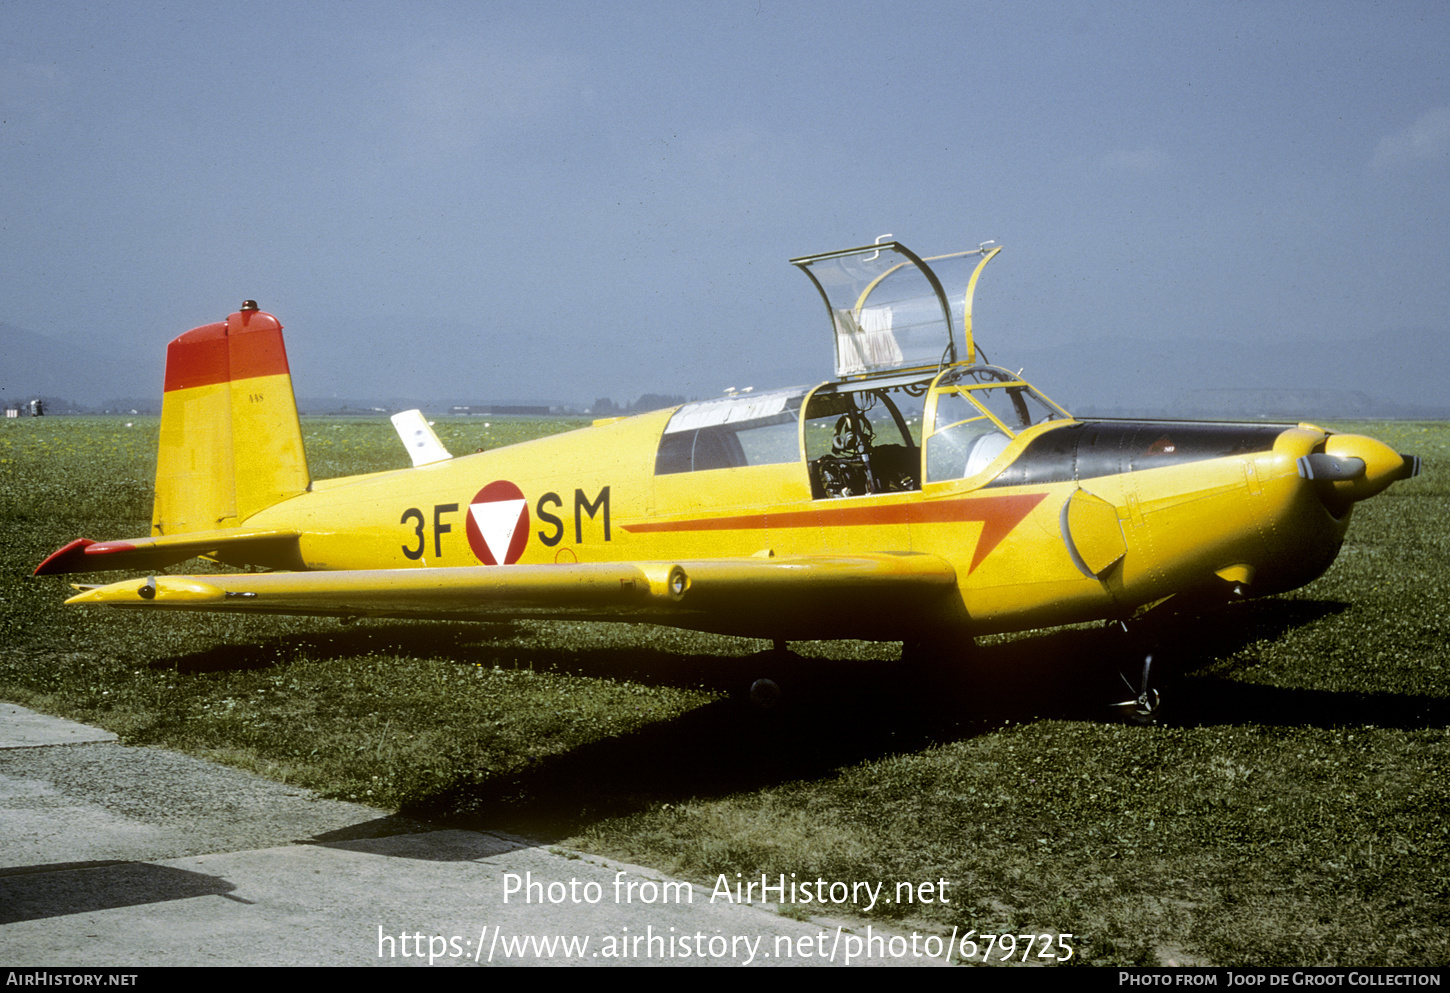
column 730, row 433
column 861, row 441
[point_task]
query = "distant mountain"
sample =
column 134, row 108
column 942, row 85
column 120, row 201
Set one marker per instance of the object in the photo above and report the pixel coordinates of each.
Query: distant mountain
column 1391, row 374
column 89, row 374
column 1401, row 374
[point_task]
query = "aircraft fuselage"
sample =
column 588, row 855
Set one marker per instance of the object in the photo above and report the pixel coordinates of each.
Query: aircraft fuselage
column 1072, row 521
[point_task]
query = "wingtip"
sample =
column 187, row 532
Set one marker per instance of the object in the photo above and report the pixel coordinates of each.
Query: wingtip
column 77, row 557
column 67, row 559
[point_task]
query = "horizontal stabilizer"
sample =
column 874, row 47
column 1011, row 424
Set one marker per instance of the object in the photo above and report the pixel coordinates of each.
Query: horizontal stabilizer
column 239, row 546
column 815, row 596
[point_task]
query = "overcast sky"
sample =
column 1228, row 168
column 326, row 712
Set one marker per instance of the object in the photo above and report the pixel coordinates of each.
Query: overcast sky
column 567, row 200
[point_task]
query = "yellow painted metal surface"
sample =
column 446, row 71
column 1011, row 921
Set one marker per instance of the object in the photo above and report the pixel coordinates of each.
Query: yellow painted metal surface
column 729, row 596
column 1090, row 526
column 227, row 451
column 194, row 484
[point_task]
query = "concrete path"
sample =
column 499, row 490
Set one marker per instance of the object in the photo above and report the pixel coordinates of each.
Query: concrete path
column 117, row 856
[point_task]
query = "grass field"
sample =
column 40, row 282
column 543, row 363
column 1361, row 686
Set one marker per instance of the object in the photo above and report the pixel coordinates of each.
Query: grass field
column 1289, row 810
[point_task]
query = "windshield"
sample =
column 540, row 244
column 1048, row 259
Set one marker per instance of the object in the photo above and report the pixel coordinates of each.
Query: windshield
column 975, row 412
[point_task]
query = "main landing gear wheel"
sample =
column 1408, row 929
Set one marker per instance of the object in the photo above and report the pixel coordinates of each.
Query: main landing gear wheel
column 769, row 670
column 765, row 695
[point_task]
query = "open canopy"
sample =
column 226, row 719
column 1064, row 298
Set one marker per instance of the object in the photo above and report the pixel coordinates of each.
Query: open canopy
column 891, row 310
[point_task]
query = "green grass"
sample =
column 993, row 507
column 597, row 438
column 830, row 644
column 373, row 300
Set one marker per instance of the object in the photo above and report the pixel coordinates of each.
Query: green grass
column 1289, row 810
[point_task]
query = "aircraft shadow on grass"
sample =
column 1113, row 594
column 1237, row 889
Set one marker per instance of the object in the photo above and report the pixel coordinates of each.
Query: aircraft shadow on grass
column 840, row 713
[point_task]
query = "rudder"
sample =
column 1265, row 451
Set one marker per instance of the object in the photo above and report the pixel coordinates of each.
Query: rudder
column 231, row 443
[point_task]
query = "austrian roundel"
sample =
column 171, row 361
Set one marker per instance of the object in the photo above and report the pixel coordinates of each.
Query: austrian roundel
column 498, row 523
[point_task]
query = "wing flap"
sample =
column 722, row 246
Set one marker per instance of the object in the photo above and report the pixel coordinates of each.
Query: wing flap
column 865, row 596
column 272, row 548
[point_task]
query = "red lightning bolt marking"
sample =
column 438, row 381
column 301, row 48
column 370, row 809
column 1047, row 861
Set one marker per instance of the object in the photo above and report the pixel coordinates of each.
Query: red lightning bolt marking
column 997, row 514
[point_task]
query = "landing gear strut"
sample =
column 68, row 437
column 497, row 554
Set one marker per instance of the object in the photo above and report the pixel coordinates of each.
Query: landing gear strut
column 1143, row 700
column 1142, row 706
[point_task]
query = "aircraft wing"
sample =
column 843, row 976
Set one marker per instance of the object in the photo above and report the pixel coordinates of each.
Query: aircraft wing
column 847, row 596
column 276, row 546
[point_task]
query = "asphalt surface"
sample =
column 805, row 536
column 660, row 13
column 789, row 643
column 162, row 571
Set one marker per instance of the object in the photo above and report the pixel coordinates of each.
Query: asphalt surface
column 113, row 856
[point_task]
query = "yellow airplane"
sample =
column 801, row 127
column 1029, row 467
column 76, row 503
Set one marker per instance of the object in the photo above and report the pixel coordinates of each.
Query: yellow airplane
column 919, row 496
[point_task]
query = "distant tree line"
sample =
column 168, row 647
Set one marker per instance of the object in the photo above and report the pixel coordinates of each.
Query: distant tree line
column 605, row 407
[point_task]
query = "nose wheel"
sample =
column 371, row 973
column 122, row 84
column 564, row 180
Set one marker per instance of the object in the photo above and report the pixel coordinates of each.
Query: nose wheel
column 1136, row 698
column 1144, row 700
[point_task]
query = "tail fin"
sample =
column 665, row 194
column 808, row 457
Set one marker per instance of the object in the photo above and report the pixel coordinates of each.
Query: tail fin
column 231, row 444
